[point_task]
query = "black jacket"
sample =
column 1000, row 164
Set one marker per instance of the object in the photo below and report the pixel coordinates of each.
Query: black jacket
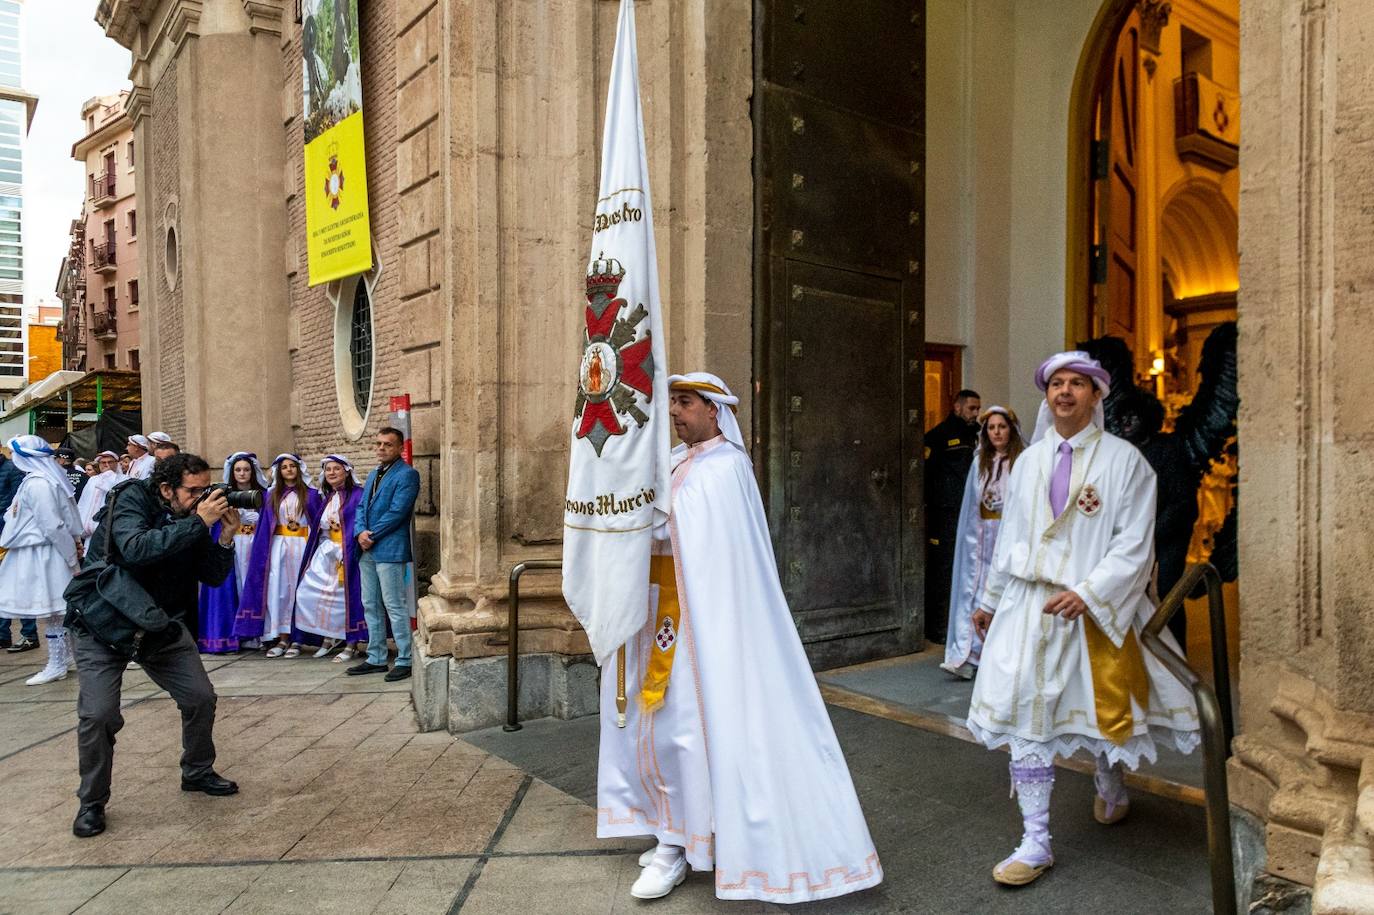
column 170, row 557
column 10, row 478
column 78, row 481
column 949, row 452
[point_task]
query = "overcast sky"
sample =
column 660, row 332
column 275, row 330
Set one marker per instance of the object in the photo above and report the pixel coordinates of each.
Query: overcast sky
column 67, row 60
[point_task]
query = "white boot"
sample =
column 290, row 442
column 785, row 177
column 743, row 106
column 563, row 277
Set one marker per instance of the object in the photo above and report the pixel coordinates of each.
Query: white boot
column 1112, row 802
column 1033, row 782
column 665, row 872
column 56, row 668
column 68, row 653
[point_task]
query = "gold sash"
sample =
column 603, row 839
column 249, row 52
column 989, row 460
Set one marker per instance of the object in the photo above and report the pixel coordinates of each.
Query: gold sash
column 1118, row 675
column 283, row 531
column 667, row 621
column 337, row 536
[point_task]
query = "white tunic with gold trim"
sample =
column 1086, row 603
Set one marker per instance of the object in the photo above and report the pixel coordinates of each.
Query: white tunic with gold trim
column 740, row 765
column 1050, row 686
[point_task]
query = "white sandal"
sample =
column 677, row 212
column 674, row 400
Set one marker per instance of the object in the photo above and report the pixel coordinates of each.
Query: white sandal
column 345, row 656
column 325, row 649
column 294, row 651
column 276, row 651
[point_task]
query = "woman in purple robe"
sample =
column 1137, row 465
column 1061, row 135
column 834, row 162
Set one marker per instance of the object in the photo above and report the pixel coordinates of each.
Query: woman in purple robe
column 219, row 606
column 290, row 511
column 329, row 599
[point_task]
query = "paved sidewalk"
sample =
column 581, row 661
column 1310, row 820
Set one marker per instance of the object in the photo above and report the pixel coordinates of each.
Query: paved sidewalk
column 346, row 808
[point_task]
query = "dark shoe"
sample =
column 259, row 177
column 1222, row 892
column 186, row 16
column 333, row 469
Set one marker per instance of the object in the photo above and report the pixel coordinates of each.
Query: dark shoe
column 398, row 673
column 90, row 821
column 211, row 783
column 24, row 645
column 367, row 667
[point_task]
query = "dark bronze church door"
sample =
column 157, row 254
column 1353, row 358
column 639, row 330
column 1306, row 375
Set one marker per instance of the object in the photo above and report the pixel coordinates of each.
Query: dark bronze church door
column 839, row 318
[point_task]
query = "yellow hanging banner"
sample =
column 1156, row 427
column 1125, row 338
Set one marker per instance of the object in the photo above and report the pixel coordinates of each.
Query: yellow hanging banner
column 338, row 239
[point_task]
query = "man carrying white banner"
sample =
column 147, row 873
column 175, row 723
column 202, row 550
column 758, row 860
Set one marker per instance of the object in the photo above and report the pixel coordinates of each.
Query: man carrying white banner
column 724, row 751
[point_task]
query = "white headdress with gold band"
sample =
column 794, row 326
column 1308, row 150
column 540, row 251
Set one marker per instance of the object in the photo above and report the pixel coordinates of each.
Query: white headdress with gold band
column 715, row 390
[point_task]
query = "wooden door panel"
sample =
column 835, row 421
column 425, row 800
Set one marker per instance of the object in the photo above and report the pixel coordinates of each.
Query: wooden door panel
column 1114, row 296
column 844, row 470
column 839, row 323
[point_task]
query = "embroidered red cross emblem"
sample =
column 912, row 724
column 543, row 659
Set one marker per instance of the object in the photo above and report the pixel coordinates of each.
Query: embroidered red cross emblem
column 1088, row 501
column 666, row 635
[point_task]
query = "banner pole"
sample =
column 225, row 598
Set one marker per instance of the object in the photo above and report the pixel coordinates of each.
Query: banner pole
column 620, row 700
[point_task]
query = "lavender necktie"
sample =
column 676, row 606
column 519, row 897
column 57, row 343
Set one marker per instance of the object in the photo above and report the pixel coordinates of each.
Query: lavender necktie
column 1059, row 483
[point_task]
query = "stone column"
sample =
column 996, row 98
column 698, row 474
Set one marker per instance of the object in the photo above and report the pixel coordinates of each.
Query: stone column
column 207, row 117
column 1302, row 779
column 520, row 91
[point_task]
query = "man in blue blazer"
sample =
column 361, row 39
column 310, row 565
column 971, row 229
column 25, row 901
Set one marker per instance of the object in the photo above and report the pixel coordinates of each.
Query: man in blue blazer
column 382, row 528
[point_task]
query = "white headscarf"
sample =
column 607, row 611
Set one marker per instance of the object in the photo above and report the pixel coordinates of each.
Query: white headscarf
column 160, row 438
column 33, row 454
column 347, row 466
column 1075, row 361
column 715, row 390
column 141, row 441
column 288, row 456
column 251, row 458
column 1008, row 414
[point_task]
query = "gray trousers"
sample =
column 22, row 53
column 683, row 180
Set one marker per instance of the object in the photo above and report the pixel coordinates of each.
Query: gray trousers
column 178, row 670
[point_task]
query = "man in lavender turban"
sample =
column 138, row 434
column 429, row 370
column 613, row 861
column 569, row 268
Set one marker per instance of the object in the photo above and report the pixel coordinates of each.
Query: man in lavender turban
column 1062, row 669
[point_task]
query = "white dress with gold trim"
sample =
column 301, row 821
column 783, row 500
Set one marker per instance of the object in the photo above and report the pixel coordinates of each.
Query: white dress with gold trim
column 1049, row 686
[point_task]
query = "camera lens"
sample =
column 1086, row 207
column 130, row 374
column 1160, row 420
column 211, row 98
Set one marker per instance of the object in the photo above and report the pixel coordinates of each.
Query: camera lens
column 246, row 498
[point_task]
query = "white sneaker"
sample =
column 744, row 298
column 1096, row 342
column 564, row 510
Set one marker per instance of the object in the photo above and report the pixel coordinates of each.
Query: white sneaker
column 659, row 879
column 48, row 675
column 648, row 857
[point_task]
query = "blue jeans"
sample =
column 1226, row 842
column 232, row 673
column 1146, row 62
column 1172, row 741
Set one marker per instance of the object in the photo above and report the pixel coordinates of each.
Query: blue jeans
column 384, row 597
column 28, row 629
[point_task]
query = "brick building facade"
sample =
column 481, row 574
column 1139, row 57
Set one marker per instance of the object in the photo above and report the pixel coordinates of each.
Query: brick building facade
column 101, row 284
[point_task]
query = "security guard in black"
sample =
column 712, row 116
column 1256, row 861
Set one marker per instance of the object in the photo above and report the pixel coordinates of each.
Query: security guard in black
column 949, row 453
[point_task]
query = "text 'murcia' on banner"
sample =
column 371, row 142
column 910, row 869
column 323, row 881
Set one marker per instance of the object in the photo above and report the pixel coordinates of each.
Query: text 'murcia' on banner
column 338, row 241
column 618, row 470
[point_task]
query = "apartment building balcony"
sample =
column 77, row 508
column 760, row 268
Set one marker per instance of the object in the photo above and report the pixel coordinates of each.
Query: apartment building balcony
column 103, row 325
column 103, row 257
column 102, row 191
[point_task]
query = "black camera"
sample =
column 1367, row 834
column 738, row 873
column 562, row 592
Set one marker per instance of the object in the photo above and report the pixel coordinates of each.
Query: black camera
column 237, row 498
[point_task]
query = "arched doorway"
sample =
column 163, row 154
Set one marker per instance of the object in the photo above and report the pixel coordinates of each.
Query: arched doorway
column 1153, row 192
column 1154, row 117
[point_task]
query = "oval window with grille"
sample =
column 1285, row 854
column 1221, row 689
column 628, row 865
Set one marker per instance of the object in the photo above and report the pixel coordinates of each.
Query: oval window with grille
column 360, row 348
column 354, row 353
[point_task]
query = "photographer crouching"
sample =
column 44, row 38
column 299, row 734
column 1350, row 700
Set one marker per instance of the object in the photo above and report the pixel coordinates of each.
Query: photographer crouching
column 144, row 564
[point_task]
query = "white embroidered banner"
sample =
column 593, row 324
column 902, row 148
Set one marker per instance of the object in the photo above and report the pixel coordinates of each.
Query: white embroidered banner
column 618, row 474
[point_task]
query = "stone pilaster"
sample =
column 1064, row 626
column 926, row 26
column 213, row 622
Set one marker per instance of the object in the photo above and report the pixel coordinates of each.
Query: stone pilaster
column 207, row 80
column 1304, row 764
column 517, row 147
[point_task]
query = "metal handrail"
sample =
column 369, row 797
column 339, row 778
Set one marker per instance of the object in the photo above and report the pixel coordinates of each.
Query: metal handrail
column 513, row 636
column 1214, row 715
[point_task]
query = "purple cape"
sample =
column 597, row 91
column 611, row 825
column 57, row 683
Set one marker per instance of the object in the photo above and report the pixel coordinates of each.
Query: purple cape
column 218, row 608
column 251, row 617
column 355, row 624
